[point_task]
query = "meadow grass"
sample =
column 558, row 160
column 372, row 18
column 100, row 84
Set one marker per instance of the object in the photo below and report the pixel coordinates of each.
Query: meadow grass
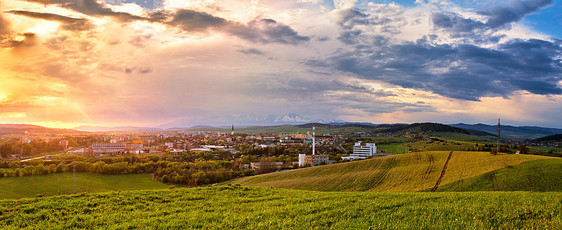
column 537, row 175
column 393, row 148
column 461, row 137
column 239, row 207
column 399, row 173
column 62, row 183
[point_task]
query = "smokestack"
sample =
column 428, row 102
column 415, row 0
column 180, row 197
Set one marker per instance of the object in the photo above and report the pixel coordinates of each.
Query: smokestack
column 313, row 140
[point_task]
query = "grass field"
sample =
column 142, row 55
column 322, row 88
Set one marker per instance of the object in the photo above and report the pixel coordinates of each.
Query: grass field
column 61, row 183
column 462, row 137
column 400, row 173
column 238, row 207
column 425, row 145
column 539, row 175
column 393, row 148
column 549, row 151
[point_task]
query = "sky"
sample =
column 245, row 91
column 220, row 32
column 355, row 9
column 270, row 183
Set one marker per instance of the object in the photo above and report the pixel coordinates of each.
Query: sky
column 177, row 63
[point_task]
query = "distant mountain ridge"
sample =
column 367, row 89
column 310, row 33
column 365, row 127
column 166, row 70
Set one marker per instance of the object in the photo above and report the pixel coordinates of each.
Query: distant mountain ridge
column 20, row 129
column 482, row 130
column 551, row 138
column 507, row 131
column 115, row 129
column 515, row 132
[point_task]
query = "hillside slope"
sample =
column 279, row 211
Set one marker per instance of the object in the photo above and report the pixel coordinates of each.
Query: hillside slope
column 20, row 129
column 518, row 132
column 400, row 173
column 539, row 175
column 237, row 207
column 62, row 183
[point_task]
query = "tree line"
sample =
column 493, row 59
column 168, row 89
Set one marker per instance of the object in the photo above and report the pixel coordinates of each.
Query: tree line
column 195, row 173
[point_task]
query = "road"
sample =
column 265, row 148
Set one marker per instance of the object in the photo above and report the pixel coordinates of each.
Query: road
column 41, row 157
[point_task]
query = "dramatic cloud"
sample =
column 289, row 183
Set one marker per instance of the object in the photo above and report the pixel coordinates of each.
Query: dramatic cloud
column 513, row 11
column 258, row 30
column 181, row 63
column 465, row 70
column 251, row 51
column 90, row 7
column 190, row 20
column 67, row 22
column 498, row 17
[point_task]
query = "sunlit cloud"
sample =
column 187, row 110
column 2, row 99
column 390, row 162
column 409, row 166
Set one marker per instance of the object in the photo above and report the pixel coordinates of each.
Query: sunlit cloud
column 181, row 63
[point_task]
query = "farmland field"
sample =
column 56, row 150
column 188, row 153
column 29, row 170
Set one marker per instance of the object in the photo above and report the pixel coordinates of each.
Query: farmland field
column 393, row 148
column 462, row 137
column 539, row 175
column 400, row 173
column 61, row 183
column 237, row 207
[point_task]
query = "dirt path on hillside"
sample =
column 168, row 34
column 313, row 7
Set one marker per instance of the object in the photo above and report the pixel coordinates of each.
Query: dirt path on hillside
column 442, row 172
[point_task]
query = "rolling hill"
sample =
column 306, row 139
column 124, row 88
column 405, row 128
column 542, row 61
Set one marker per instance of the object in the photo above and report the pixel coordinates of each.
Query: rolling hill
column 549, row 139
column 62, row 183
column 411, row 172
column 537, row 175
column 240, row 207
column 347, row 128
column 515, row 132
column 20, row 129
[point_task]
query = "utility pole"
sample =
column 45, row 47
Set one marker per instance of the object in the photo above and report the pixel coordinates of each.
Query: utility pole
column 498, row 144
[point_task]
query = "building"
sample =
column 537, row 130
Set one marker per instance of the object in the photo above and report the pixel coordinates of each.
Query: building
column 109, row 147
column 362, row 151
column 367, row 149
column 64, row 143
column 314, row 160
column 302, row 160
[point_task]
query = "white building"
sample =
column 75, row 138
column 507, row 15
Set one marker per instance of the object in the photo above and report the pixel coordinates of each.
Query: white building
column 362, row 151
column 368, row 148
column 302, row 160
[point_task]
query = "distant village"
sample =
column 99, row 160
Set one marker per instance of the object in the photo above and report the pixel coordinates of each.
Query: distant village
column 325, row 149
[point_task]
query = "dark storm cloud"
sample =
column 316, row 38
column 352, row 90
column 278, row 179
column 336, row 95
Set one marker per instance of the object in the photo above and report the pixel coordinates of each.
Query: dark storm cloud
column 465, row 28
column 92, row 8
column 251, row 51
column 258, row 30
column 458, row 71
column 352, row 17
column 455, row 23
column 266, row 31
column 465, row 70
column 499, row 16
column 272, row 31
column 513, row 11
column 190, row 20
column 68, row 23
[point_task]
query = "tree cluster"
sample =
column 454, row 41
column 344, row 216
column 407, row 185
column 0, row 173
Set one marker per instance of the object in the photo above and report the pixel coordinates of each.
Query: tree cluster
column 196, row 173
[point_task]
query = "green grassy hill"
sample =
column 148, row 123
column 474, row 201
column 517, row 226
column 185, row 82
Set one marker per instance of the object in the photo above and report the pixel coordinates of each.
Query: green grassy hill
column 400, row 173
column 61, row 183
column 463, row 137
column 539, row 175
column 237, row 207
